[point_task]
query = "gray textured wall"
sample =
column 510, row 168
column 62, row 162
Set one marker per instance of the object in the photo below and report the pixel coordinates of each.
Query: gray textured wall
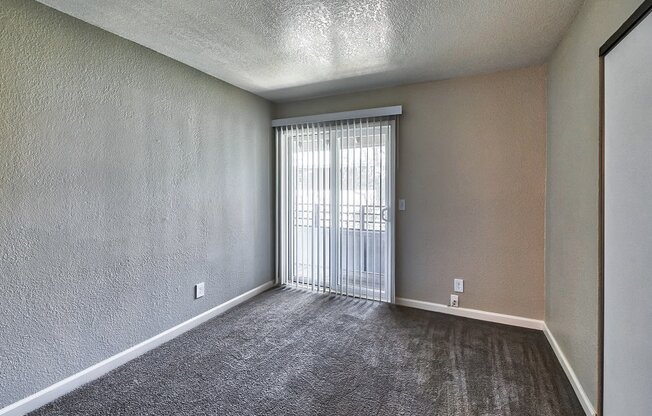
column 472, row 171
column 125, row 178
column 572, row 185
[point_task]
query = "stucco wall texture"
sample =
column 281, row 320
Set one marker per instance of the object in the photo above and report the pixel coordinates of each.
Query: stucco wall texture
column 125, row 178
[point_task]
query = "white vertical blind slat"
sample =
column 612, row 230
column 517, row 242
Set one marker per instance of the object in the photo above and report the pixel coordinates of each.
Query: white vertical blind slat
column 355, row 210
column 314, row 203
column 294, row 203
column 359, row 199
column 372, row 261
column 364, row 202
column 345, row 204
column 323, row 205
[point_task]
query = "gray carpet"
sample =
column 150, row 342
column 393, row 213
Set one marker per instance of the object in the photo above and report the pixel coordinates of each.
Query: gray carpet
column 288, row 352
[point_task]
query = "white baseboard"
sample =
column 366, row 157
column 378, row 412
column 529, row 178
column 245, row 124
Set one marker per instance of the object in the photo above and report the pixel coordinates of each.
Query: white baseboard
column 572, row 377
column 473, row 313
column 68, row 384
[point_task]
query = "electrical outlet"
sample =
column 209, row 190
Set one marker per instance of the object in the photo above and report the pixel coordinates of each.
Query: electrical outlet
column 459, row 286
column 199, row 290
column 455, row 301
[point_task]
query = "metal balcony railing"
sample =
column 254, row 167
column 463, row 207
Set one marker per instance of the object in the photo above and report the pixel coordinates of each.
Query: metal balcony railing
column 351, row 217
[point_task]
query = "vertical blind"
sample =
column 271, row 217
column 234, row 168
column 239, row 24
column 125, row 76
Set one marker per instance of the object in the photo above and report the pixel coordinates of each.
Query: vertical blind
column 334, row 192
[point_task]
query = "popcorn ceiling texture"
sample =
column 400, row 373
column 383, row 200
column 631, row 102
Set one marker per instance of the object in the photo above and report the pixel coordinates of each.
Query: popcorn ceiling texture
column 291, row 49
column 125, row 178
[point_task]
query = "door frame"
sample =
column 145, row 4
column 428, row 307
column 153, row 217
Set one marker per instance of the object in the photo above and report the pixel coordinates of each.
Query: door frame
column 637, row 17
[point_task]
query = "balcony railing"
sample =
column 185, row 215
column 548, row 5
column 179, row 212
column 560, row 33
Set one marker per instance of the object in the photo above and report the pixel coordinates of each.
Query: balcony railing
column 351, row 217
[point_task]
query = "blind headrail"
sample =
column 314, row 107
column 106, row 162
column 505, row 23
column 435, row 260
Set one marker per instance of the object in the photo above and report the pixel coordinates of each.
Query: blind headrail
column 344, row 115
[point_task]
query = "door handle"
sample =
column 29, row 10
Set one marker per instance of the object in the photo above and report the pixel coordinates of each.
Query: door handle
column 383, row 214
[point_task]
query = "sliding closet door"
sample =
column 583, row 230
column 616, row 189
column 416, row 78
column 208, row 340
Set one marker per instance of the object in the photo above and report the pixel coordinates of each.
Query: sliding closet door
column 628, row 225
column 335, row 187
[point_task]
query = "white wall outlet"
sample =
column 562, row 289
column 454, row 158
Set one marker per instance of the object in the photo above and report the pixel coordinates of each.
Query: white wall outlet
column 459, row 286
column 401, row 204
column 455, row 301
column 199, row 290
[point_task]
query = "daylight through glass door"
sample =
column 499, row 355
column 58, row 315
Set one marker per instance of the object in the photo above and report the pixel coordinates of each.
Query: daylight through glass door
column 334, row 192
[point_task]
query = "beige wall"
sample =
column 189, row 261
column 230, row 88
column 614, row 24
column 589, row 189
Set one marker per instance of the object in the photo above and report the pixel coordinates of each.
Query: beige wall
column 472, row 171
column 572, row 186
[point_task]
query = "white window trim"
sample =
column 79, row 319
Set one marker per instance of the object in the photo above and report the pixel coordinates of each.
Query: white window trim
column 344, row 115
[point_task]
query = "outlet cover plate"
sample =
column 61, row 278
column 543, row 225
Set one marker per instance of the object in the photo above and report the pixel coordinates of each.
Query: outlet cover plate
column 455, row 301
column 459, row 286
column 199, row 290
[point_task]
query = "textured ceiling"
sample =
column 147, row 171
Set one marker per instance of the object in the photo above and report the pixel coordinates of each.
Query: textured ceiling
column 288, row 49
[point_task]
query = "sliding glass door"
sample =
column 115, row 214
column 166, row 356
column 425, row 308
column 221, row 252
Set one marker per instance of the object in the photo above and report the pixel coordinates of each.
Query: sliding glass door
column 334, row 207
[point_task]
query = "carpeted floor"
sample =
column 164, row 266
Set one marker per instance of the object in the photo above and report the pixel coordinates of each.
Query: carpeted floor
column 289, row 352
